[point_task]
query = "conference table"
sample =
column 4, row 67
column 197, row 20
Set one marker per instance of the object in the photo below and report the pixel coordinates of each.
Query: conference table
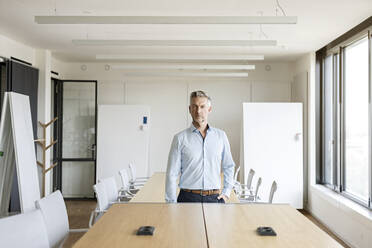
column 201, row 224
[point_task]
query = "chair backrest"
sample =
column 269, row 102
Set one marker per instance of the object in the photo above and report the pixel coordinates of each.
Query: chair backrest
column 272, row 191
column 250, row 178
column 124, row 179
column 24, row 230
column 259, row 181
column 53, row 209
column 102, row 200
column 111, row 188
column 236, row 174
column 132, row 172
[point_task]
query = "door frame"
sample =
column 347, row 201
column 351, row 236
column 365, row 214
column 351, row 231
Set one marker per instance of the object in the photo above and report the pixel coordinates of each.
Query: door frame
column 58, row 134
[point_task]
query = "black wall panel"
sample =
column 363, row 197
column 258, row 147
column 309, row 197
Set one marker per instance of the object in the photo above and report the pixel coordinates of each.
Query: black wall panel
column 24, row 80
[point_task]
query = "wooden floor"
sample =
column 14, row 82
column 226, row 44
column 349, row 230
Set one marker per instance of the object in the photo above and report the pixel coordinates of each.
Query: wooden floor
column 321, row 226
column 78, row 217
column 79, row 213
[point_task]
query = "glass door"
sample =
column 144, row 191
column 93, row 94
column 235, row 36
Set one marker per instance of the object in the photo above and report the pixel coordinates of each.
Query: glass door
column 76, row 109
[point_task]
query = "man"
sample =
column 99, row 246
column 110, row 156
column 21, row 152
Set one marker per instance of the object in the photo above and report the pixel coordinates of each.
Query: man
column 196, row 156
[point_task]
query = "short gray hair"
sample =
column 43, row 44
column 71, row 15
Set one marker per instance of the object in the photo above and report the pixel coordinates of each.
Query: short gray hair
column 200, row 93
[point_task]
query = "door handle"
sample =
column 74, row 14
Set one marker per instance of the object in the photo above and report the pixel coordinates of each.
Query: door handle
column 93, row 149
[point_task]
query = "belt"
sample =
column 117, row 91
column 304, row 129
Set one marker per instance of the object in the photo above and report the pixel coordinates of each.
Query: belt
column 203, row 192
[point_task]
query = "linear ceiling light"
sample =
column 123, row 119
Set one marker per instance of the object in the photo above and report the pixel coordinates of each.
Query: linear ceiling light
column 166, row 19
column 178, row 57
column 187, row 74
column 174, row 42
column 183, row 67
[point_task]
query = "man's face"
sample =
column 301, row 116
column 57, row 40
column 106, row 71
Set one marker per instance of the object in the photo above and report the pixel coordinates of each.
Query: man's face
column 199, row 110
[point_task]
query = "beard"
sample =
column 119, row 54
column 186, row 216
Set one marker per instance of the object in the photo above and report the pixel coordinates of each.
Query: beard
column 199, row 119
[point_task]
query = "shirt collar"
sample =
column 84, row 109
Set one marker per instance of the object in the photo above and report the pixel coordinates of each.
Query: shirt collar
column 194, row 129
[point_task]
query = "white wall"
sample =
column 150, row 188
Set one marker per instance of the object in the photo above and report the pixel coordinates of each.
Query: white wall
column 168, row 99
column 42, row 61
column 60, row 67
column 11, row 48
column 299, row 93
column 168, row 103
column 304, row 92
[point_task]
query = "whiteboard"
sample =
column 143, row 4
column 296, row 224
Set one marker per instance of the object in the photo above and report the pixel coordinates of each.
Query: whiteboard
column 18, row 106
column 273, row 142
column 122, row 140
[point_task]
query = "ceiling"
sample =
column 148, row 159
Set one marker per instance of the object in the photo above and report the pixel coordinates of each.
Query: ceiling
column 319, row 22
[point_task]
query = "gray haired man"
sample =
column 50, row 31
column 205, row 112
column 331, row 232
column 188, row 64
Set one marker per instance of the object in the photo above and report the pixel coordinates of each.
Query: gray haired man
column 197, row 156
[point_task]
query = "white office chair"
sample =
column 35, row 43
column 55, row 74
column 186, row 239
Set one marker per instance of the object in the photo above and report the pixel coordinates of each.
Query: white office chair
column 237, row 185
column 24, row 230
column 126, row 189
column 112, row 192
column 53, row 209
column 134, row 180
column 252, row 198
column 102, row 203
column 246, row 189
column 274, row 187
column 236, row 174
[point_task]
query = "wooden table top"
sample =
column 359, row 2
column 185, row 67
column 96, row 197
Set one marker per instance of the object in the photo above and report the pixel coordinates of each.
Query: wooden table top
column 211, row 225
column 154, row 190
column 176, row 225
column 234, row 225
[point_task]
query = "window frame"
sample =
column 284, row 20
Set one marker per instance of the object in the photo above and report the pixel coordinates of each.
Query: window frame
column 334, row 116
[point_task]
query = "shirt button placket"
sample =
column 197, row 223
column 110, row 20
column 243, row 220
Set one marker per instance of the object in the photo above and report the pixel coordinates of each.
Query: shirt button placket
column 204, row 186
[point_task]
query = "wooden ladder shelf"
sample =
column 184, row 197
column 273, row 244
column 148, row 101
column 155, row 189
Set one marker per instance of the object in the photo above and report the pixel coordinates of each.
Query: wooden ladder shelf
column 45, row 147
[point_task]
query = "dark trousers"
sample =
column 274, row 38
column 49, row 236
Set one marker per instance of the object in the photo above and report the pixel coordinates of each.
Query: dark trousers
column 184, row 196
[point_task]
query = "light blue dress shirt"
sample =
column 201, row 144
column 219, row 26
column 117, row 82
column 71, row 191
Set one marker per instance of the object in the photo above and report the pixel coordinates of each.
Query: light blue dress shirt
column 198, row 162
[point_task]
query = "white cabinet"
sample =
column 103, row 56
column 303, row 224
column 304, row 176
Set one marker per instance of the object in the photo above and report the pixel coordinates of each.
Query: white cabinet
column 273, row 147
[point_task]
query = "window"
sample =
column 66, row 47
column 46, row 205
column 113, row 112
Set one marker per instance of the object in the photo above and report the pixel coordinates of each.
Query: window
column 356, row 125
column 344, row 80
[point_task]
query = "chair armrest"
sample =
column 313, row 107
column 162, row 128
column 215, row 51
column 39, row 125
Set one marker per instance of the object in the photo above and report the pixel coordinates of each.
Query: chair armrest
column 123, row 192
column 250, row 199
column 134, row 191
column 245, row 193
column 245, row 186
column 135, row 188
column 79, row 230
column 144, row 178
column 129, row 194
column 138, row 183
column 123, row 197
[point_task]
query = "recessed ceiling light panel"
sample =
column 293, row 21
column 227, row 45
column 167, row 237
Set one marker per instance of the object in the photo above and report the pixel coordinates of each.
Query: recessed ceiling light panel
column 174, row 42
column 85, row 19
